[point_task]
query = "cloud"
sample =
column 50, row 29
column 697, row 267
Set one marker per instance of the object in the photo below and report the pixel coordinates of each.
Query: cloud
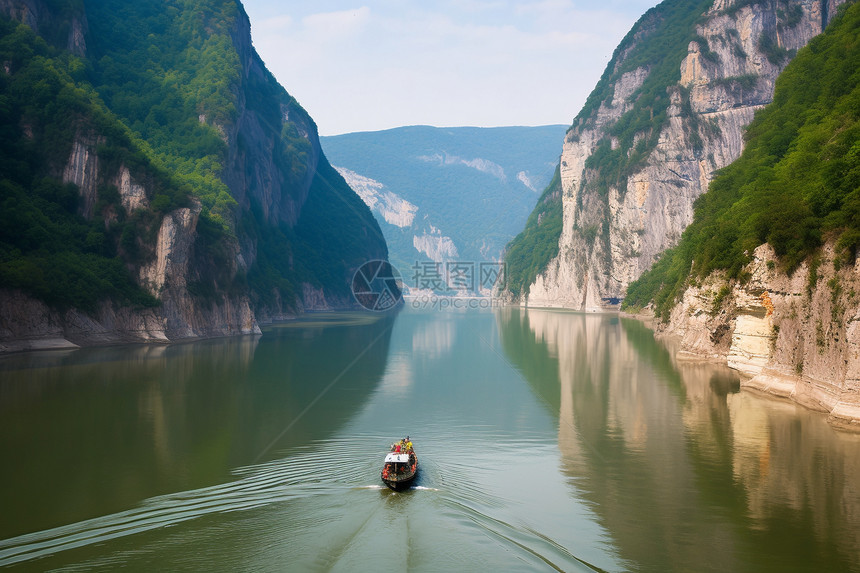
column 479, row 62
column 280, row 23
column 336, row 25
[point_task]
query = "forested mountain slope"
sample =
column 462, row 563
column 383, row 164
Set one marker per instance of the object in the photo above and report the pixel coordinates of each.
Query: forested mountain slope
column 156, row 181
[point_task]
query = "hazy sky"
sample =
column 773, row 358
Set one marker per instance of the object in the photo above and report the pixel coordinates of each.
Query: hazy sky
column 366, row 65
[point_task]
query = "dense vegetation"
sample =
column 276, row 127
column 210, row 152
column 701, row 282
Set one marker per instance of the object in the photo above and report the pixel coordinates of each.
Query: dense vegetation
column 161, row 75
column 46, row 247
column 160, row 89
column 796, row 183
column 529, row 252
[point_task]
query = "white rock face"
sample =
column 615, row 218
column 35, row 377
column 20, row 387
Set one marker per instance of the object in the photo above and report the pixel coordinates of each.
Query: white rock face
column 82, row 169
column 482, row 165
column 646, row 213
column 750, row 349
column 437, row 247
column 77, row 43
column 173, row 248
column 796, row 340
column 393, row 208
column 132, row 196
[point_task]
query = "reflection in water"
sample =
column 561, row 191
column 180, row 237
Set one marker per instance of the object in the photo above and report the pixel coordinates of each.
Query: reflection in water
column 547, row 440
column 92, row 432
column 317, row 504
column 685, row 471
column 434, row 338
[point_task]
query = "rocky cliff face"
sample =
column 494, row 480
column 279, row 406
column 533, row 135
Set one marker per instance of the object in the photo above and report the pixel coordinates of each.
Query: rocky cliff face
column 795, row 336
column 615, row 223
column 272, row 166
column 252, row 173
column 62, row 25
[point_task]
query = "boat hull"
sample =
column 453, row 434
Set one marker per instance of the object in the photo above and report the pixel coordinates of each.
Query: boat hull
column 401, row 483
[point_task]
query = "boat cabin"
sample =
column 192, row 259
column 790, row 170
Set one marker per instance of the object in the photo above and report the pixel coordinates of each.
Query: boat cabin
column 397, row 463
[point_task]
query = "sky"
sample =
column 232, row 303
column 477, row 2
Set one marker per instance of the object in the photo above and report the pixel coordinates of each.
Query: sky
column 368, row 65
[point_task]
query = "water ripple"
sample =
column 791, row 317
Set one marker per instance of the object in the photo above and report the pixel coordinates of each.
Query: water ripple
column 307, row 474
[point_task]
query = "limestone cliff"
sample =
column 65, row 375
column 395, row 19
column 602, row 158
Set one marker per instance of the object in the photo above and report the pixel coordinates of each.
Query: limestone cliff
column 252, row 172
column 213, row 195
column 644, row 148
column 795, row 336
column 762, row 280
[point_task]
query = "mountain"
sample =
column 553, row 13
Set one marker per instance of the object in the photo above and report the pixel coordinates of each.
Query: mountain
column 767, row 275
column 157, row 182
column 453, row 196
column 669, row 111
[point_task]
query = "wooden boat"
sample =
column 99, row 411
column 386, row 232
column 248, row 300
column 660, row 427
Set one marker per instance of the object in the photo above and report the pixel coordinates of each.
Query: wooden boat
column 399, row 469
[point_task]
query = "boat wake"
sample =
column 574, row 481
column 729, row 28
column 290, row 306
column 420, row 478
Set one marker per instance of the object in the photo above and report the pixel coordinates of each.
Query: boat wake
column 299, row 476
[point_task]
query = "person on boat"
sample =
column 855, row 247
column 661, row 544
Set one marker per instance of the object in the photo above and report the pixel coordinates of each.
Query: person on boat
column 397, row 448
column 408, row 444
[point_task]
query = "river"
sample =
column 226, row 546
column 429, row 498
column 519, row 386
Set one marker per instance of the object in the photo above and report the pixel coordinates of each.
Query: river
column 547, row 440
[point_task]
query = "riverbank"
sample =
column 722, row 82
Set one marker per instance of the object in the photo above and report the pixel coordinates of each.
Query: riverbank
column 28, row 324
column 793, row 337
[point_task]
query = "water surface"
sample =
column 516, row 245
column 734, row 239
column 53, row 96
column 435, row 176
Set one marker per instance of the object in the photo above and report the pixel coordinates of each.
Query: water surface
column 547, row 440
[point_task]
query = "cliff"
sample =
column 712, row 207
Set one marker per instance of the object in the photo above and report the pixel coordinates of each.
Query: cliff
column 669, row 111
column 767, row 275
column 795, row 337
column 157, row 182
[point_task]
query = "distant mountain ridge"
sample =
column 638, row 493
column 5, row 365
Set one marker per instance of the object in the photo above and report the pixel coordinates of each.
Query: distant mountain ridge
column 447, row 195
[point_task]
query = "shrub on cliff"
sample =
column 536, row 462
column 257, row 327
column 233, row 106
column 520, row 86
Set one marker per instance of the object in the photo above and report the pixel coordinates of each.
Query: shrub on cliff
column 528, row 254
column 797, row 181
column 47, row 248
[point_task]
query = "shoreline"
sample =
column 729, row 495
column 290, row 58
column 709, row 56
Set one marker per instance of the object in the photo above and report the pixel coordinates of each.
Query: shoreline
column 761, row 377
column 769, row 381
column 766, row 378
column 19, row 346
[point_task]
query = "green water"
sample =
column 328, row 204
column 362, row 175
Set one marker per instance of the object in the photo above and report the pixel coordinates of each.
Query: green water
column 546, row 441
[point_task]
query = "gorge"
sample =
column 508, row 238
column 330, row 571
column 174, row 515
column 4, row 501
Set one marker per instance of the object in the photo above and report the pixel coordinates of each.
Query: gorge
column 669, row 381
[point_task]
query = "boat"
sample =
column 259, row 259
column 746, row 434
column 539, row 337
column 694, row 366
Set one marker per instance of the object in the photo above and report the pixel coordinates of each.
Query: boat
column 400, row 469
